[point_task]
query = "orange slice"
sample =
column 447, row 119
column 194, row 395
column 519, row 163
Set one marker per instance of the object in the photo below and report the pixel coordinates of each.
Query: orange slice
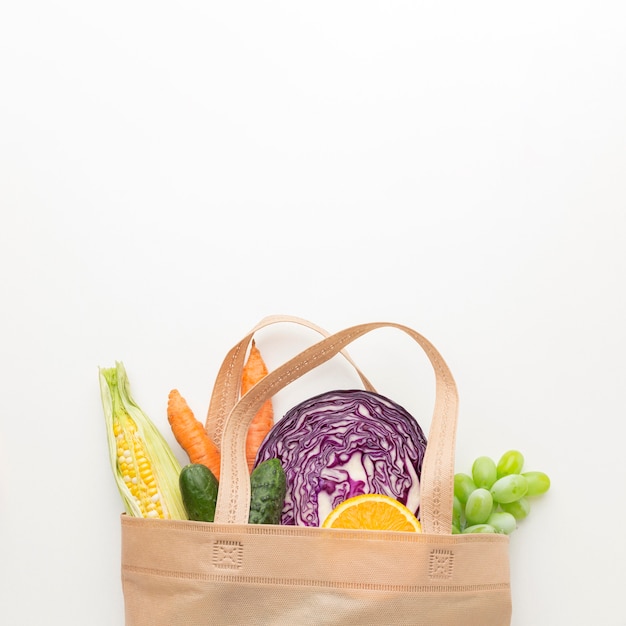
column 372, row 511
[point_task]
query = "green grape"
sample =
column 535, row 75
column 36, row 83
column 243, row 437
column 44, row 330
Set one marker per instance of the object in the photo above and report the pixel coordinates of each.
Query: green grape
column 538, row 483
column 509, row 488
column 484, row 472
column 463, row 486
column 494, row 497
column 503, row 522
column 511, row 462
column 478, row 506
column 519, row 509
column 479, row 528
column 457, row 511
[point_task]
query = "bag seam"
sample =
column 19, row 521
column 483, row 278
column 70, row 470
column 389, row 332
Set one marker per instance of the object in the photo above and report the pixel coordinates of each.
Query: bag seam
column 318, row 583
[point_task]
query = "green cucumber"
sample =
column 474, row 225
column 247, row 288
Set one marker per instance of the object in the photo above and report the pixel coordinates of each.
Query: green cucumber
column 268, row 486
column 198, row 488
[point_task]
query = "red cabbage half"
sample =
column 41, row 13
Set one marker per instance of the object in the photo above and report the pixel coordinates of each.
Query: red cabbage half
column 341, row 444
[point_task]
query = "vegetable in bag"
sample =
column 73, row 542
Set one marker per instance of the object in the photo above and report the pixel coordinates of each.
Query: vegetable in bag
column 341, row 444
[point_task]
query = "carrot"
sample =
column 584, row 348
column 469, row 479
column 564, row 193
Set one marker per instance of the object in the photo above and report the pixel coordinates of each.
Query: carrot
column 191, row 435
column 253, row 371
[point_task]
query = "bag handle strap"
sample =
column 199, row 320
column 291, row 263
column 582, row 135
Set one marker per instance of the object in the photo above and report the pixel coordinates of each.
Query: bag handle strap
column 437, row 478
column 227, row 385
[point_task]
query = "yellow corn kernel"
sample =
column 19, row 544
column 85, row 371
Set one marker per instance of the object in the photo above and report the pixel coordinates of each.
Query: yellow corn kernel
column 136, row 470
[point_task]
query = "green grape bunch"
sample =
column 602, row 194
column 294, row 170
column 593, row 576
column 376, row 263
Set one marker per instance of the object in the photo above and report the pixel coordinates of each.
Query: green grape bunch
column 494, row 497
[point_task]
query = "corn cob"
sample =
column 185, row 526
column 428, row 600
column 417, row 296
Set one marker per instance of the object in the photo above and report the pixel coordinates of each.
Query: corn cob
column 145, row 468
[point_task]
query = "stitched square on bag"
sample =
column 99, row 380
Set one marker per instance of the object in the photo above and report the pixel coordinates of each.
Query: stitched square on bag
column 440, row 564
column 227, row 554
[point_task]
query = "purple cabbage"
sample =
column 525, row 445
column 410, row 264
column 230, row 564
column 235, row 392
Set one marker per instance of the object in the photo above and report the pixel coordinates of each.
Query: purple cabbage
column 341, row 444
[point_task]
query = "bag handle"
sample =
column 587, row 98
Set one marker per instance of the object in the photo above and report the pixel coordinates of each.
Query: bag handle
column 437, row 477
column 227, row 384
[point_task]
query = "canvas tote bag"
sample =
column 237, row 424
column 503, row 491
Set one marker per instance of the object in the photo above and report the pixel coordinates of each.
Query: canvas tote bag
column 184, row 573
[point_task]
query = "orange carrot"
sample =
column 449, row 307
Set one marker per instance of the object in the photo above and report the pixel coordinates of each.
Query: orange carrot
column 191, row 435
column 253, row 371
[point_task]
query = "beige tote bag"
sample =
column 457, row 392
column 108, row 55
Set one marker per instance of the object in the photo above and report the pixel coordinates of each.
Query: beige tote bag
column 185, row 573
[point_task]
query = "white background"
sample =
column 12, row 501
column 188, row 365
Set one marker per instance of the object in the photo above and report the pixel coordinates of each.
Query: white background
column 170, row 173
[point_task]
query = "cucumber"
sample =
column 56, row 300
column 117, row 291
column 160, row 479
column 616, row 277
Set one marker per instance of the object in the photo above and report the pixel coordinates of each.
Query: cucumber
column 268, row 486
column 198, row 488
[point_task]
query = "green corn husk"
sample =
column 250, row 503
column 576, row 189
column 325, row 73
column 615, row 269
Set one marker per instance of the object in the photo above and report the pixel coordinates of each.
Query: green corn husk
column 144, row 466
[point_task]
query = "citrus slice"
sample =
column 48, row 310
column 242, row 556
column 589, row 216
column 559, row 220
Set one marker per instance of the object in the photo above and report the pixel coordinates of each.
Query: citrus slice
column 372, row 511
